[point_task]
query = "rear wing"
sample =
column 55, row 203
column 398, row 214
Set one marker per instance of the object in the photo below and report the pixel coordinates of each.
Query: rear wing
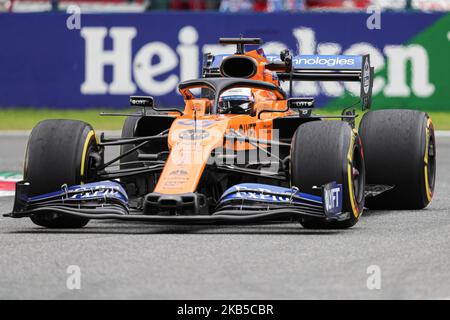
column 312, row 68
column 328, row 68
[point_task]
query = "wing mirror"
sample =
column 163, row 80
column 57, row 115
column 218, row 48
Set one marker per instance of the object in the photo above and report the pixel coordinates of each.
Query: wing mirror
column 148, row 102
column 303, row 105
column 300, row 103
column 142, row 101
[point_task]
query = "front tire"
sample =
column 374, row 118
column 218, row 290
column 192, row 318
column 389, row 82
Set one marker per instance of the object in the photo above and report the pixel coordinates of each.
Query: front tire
column 57, row 154
column 326, row 151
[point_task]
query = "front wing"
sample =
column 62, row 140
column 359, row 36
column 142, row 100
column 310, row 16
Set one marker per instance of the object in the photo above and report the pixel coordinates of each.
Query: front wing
column 240, row 204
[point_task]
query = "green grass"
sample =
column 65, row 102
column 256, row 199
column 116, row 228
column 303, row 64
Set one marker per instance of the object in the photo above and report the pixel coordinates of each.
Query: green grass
column 26, row 119
column 441, row 120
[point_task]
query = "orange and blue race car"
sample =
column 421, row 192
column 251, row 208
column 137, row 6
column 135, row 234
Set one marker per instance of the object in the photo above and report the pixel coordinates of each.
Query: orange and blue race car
column 243, row 149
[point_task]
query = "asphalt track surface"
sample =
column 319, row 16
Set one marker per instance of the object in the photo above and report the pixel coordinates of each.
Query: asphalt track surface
column 142, row 261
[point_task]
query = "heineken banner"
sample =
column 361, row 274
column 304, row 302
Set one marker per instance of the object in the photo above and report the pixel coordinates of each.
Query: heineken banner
column 59, row 60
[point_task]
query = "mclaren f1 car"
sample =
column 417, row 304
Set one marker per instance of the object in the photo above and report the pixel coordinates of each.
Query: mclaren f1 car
column 243, row 149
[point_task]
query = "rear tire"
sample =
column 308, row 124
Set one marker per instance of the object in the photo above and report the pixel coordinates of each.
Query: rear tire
column 326, row 151
column 400, row 151
column 57, row 154
column 137, row 185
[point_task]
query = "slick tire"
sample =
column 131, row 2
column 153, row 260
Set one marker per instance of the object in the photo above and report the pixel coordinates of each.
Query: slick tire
column 58, row 154
column 326, row 151
column 400, row 151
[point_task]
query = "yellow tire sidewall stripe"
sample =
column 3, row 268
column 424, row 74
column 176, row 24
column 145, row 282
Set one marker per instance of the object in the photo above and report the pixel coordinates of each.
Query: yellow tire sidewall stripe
column 83, row 156
column 350, row 177
column 425, row 160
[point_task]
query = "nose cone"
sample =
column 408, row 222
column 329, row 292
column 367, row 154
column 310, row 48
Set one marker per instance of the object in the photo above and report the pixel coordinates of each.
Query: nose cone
column 191, row 144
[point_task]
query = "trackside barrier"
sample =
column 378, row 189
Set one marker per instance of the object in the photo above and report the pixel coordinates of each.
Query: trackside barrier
column 47, row 61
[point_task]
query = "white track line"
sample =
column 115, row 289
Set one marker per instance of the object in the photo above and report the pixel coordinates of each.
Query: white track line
column 442, row 133
column 15, row 133
column 6, row 193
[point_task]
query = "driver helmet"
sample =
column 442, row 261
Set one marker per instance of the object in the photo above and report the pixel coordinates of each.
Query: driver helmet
column 236, row 101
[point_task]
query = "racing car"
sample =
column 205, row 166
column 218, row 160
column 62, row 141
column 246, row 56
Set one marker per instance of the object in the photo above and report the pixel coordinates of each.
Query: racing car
column 243, row 149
